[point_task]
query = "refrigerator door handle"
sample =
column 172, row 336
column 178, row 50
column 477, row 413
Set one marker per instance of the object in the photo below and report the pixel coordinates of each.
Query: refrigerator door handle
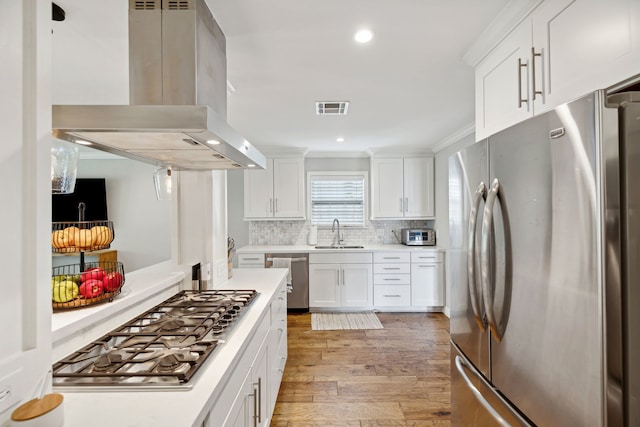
column 488, row 288
column 460, row 366
column 481, row 193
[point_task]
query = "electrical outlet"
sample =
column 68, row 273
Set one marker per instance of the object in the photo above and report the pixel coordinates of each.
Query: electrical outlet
column 205, row 271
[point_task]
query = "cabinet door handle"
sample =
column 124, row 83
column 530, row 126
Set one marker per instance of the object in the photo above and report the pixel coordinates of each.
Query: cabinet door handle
column 392, row 296
column 391, row 279
column 533, row 72
column 275, row 209
column 391, row 268
column 391, row 257
column 520, row 66
column 270, row 205
column 401, row 205
column 257, row 403
column 406, row 204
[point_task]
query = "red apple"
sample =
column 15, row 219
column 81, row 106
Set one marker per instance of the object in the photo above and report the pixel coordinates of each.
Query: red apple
column 92, row 273
column 112, row 281
column 91, row 288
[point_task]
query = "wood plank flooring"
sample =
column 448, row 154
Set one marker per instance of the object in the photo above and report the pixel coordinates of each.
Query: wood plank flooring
column 392, row 377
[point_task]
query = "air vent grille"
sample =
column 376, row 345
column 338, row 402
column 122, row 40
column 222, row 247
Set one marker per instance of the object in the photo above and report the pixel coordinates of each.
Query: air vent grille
column 145, row 4
column 332, row 108
column 178, row 5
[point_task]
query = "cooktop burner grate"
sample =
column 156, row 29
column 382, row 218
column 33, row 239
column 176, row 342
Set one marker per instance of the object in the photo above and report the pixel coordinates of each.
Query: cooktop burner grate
column 164, row 346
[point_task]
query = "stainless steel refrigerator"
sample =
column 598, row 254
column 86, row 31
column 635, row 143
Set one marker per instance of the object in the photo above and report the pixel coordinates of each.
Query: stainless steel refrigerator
column 545, row 269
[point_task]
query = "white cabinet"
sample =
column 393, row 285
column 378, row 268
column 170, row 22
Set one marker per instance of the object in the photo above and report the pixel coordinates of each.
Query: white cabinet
column 275, row 192
column 402, row 188
column 563, row 50
column 427, row 279
column 391, row 279
column 250, row 395
column 340, row 280
column 251, row 260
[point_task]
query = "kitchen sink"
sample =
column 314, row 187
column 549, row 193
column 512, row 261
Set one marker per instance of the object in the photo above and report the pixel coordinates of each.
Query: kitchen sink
column 340, row 247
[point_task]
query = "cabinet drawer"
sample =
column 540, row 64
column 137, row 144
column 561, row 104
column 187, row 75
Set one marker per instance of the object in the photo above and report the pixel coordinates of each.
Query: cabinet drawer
column 251, row 260
column 391, row 257
column 340, row 257
column 427, row 256
column 391, row 268
column 392, row 279
column 392, row 296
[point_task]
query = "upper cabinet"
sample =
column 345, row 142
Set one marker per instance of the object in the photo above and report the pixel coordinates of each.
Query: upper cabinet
column 563, row 50
column 402, row 188
column 275, row 192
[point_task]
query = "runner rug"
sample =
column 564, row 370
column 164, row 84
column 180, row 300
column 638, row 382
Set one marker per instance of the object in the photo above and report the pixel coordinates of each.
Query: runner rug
column 338, row 321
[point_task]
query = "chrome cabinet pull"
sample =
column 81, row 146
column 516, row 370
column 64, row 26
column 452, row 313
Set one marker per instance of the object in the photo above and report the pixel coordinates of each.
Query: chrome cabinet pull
column 392, row 296
column 520, row 66
column 480, row 194
column 270, row 205
column 255, row 407
column 391, row 268
column 401, row 205
column 460, row 365
column 533, row 72
column 488, row 288
column 389, row 278
column 275, row 208
column 406, row 204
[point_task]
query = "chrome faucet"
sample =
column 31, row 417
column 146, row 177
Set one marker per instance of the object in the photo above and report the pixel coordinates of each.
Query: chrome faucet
column 338, row 239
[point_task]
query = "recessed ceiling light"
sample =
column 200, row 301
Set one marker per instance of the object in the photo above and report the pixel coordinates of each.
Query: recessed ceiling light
column 82, row 142
column 363, row 36
column 213, row 142
column 251, row 165
column 340, row 139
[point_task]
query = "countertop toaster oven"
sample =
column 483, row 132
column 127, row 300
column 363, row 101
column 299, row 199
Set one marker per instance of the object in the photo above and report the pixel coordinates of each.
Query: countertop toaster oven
column 418, row 237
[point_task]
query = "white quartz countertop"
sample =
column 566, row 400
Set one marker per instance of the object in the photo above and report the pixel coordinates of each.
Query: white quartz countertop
column 178, row 408
column 306, row 248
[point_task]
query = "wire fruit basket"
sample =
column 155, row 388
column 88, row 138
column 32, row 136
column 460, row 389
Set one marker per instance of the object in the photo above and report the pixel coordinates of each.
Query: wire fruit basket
column 79, row 236
column 80, row 285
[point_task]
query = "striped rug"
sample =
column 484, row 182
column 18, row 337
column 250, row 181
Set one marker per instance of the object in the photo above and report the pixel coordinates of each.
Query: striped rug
column 338, row 321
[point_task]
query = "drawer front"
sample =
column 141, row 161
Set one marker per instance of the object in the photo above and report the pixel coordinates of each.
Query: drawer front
column 392, row 279
column 430, row 256
column 341, row 258
column 251, row 260
column 387, row 268
column 391, row 257
column 392, row 296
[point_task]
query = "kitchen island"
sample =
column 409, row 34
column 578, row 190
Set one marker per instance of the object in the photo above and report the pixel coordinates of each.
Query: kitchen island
column 216, row 391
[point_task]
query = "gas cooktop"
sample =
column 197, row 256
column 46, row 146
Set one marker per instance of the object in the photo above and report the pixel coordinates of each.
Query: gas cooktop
column 163, row 347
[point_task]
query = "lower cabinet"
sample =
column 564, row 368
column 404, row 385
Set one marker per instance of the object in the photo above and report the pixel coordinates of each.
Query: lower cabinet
column 341, row 280
column 251, row 392
column 427, row 279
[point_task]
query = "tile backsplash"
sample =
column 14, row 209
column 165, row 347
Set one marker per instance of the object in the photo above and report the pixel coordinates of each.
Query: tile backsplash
column 296, row 232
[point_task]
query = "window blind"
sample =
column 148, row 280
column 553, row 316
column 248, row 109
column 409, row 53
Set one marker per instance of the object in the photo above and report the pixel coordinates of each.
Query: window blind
column 339, row 197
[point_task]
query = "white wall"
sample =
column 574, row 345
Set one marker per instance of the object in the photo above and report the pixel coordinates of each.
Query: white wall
column 442, row 201
column 142, row 224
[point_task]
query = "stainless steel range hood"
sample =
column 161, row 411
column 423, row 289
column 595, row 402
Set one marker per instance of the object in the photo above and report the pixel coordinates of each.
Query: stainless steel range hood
column 177, row 91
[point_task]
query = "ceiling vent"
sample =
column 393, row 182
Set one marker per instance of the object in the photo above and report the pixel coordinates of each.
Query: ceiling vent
column 332, row 108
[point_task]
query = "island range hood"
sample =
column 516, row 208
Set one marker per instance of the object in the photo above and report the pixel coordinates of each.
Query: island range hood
column 177, row 93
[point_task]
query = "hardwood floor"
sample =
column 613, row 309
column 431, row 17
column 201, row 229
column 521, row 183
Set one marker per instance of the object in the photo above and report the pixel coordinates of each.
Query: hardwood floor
column 392, row 377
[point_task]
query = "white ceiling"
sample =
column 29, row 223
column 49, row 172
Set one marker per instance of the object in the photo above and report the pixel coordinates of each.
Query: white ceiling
column 409, row 88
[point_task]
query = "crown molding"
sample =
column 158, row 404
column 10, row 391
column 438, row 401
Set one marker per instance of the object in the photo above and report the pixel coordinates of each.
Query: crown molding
column 511, row 15
column 455, row 137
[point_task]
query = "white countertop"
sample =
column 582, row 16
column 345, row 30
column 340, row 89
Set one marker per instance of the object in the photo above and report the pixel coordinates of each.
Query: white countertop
column 170, row 408
column 306, row 248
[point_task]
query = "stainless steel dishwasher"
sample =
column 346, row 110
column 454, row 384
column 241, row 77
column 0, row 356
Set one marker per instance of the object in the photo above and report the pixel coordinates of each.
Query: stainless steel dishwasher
column 298, row 298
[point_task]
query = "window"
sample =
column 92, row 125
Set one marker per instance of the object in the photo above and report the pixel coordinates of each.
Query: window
column 337, row 195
